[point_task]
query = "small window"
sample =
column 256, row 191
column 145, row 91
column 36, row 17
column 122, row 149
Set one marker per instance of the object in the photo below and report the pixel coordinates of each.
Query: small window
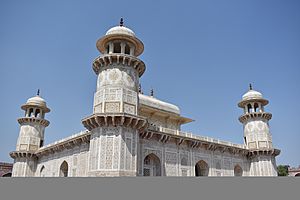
column 30, row 112
column 117, row 47
column 37, row 113
column 146, row 172
column 41, row 143
column 249, row 108
column 127, row 49
column 256, row 107
column 107, row 49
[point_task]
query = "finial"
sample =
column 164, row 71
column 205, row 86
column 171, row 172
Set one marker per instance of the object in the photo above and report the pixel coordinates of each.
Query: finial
column 121, row 21
column 151, row 92
column 140, row 88
column 38, row 92
column 250, row 86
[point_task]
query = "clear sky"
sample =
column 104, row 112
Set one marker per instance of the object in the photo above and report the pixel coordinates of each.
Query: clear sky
column 200, row 55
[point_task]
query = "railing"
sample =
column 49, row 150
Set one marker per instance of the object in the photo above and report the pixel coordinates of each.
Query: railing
column 65, row 139
column 198, row 137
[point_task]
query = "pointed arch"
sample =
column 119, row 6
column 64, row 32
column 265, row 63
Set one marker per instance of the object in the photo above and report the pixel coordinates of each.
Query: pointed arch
column 127, row 49
column 238, row 171
column 201, row 168
column 30, row 112
column 37, row 113
column 152, row 165
column 63, row 170
column 256, row 107
column 42, row 171
column 249, row 107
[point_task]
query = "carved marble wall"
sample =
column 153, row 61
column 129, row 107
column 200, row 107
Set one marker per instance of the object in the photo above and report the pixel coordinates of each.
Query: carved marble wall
column 158, row 120
column 24, row 167
column 114, row 100
column 263, row 166
column 118, row 74
column 76, row 158
column 30, row 136
column 180, row 160
column 113, row 149
column 257, row 134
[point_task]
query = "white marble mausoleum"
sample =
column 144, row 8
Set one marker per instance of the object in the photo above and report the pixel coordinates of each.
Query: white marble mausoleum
column 132, row 134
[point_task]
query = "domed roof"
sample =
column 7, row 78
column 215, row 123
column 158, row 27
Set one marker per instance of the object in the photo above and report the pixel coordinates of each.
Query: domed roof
column 120, row 30
column 36, row 101
column 252, row 94
column 158, row 104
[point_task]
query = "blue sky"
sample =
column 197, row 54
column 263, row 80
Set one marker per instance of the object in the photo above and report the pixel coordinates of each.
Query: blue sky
column 200, row 55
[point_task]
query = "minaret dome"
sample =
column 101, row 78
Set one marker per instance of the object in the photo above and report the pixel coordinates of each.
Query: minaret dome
column 253, row 101
column 120, row 39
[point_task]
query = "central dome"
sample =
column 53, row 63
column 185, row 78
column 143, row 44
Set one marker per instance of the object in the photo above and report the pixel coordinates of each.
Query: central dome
column 158, row 104
column 120, row 30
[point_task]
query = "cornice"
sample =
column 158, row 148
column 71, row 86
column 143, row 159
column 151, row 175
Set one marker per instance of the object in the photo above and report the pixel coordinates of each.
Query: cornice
column 108, row 59
column 254, row 115
column 25, row 120
column 114, row 119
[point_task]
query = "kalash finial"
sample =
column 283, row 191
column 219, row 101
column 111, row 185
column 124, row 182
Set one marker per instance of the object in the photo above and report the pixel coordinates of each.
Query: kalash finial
column 121, row 21
column 38, row 92
column 250, row 86
column 151, row 92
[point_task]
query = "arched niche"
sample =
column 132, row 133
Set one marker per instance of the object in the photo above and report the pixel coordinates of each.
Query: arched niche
column 63, row 170
column 152, row 165
column 201, row 168
column 238, row 171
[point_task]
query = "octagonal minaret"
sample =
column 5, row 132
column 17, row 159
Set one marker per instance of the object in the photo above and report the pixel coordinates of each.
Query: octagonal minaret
column 118, row 71
column 115, row 123
column 257, row 136
column 31, row 136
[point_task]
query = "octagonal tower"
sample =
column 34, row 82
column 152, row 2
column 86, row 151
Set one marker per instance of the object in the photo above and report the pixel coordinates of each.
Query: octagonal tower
column 257, row 136
column 115, row 123
column 118, row 71
column 31, row 136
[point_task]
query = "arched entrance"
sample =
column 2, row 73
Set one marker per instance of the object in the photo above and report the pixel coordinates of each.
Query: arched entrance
column 298, row 174
column 152, row 166
column 201, row 168
column 63, row 171
column 238, row 171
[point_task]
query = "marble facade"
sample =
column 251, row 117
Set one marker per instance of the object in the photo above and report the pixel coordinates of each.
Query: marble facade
column 132, row 134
